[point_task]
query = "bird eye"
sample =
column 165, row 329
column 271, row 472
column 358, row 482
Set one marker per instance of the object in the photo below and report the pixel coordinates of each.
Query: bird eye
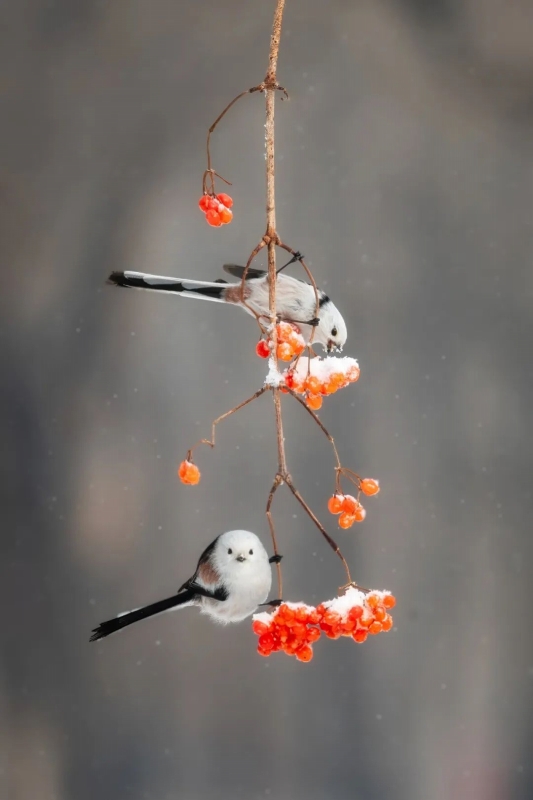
column 230, row 551
column 251, row 552
column 334, row 331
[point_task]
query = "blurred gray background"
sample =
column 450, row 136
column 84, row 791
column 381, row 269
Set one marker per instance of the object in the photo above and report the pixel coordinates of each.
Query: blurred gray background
column 405, row 176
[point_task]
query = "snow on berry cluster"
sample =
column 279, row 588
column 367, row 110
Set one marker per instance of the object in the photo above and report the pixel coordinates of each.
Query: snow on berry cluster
column 294, row 627
column 189, row 473
column 290, row 343
column 216, row 209
column 348, row 507
column 321, row 376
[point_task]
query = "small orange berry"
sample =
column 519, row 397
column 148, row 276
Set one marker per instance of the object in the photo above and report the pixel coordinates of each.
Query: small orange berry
column 262, row 349
column 338, row 379
column 189, row 473
column 225, row 215
column 359, row 513
column 225, row 199
column 380, row 614
column 366, row 618
column 346, row 520
column 314, row 401
column 369, row 486
column 203, row 202
column 373, row 600
column 284, row 351
column 389, row 601
column 387, row 623
column 353, row 374
column 335, row 504
column 213, row 218
column 375, row 627
column 349, row 504
column 312, row 384
column 359, row 636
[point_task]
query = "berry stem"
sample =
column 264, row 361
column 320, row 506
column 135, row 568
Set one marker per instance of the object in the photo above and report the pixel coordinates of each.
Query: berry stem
column 323, row 428
column 211, row 442
column 334, row 546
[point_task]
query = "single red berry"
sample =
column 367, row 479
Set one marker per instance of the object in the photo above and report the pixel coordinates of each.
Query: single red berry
column 389, row 601
column 262, row 349
column 304, row 653
column 375, row 627
column 213, row 218
column 359, row 636
column 359, row 513
column 369, row 486
column 204, row 202
column 225, row 199
column 259, row 627
column 335, row 504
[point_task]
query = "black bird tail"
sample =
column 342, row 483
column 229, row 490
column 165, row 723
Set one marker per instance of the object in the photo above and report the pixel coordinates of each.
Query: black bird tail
column 161, row 283
column 184, row 598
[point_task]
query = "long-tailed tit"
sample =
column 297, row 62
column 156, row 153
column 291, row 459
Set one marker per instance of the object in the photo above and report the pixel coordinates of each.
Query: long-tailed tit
column 232, row 578
column 295, row 299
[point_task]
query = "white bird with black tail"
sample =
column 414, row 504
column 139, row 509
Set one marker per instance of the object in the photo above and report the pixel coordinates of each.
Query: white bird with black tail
column 295, row 299
column 232, row 578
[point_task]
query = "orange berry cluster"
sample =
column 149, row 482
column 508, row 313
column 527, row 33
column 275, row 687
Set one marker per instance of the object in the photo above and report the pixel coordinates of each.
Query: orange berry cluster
column 349, row 508
column 216, row 209
column 356, row 615
column 189, row 473
column 293, row 627
column 321, row 376
column 290, row 342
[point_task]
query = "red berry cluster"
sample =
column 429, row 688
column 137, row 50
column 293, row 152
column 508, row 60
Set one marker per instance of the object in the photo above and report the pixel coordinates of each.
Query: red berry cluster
column 291, row 628
column 189, row 473
column 290, row 342
column 294, row 627
column 318, row 377
column 349, row 508
column 216, row 209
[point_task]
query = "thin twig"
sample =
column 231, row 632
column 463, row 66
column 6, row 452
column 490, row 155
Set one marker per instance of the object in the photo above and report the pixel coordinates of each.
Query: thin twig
column 320, row 425
column 211, row 442
column 278, row 480
column 334, row 546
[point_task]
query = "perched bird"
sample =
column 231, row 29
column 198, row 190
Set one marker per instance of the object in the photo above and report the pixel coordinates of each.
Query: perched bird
column 295, row 299
column 232, row 578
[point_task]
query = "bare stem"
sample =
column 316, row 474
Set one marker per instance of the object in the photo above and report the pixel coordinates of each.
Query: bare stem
column 334, row 546
column 278, row 480
column 323, row 428
column 211, row 441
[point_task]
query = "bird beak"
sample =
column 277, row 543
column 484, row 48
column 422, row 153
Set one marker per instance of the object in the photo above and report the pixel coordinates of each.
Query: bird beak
column 241, row 558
